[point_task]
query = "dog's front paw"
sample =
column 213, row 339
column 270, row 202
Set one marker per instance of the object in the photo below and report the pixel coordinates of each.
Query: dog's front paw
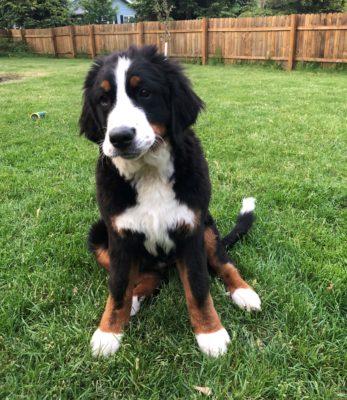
column 247, row 299
column 105, row 343
column 213, row 344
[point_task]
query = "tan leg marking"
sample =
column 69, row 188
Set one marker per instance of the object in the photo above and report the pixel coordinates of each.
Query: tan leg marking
column 103, row 258
column 204, row 319
column 114, row 318
column 227, row 271
column 106, row 340
column 158, row 129
column 146, row 284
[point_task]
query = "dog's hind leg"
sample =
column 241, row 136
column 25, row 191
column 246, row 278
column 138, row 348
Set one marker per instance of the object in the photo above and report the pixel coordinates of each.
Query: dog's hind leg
column 240, row 291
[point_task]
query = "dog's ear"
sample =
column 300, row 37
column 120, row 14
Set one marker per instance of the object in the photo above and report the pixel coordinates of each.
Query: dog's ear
column 90, row 125
column 185, row 103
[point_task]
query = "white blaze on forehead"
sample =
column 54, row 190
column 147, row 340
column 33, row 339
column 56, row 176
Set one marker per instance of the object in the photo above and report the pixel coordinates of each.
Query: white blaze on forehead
column 121, row 73
column 124, row 109
column 126, row 114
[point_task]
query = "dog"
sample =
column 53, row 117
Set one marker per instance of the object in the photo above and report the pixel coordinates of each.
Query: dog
column 153, row 192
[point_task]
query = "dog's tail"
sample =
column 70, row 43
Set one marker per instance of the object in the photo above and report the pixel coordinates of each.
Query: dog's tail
column 243, row 224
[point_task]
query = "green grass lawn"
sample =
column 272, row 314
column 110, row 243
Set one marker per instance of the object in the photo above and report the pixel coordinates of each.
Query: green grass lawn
column 277, row 136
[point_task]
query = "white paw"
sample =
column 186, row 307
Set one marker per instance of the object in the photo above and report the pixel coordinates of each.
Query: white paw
column 213, row 344
column 247, row 299
column 135, row 305
column 105, row 343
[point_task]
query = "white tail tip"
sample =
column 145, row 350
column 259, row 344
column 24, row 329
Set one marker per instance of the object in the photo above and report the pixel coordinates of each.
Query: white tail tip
column 248, row 205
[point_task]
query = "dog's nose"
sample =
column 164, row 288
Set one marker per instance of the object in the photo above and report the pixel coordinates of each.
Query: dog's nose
column 122, row 137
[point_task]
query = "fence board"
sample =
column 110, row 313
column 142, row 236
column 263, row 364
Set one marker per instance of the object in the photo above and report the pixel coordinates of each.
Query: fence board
column 82, row 40
column 313, row 37
column 39, row 40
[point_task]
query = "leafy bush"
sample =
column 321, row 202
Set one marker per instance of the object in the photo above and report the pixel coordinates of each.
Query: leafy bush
column 192, row 60
column 9, row 47
column 217, row 58
column 318, row 67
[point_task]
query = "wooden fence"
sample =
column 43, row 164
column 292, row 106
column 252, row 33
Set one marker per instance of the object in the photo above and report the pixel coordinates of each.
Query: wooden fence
column 307, row 37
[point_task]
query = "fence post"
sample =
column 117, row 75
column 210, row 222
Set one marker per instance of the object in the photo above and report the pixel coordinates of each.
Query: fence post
column 204, row 41
column 292, row 42
column 22, row 34
column 92, row 41
column 54, row 43
column 140, row 34
column 72, row 41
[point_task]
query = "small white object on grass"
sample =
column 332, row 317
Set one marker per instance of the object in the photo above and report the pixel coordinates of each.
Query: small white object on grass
column 204, row 390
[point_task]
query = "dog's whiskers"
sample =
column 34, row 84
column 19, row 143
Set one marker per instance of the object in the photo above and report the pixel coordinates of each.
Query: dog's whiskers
column 159, row 141
column 102, row 154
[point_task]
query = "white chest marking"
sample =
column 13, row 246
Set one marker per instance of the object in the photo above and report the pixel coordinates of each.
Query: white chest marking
column 157, row 210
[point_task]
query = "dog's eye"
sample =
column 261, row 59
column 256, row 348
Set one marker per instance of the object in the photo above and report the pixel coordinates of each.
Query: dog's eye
column 104, row 101
column 144, row 92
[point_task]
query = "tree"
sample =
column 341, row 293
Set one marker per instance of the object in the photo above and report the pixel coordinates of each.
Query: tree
column 163, row 9
column 305, row 6
column 97, row 11
column 144, row 10
column 34, row 13
column 191, row 9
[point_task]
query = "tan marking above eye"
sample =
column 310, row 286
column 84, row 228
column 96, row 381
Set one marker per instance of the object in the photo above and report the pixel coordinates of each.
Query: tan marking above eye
column 106, row 85
column 158, row 129
column 134, row 80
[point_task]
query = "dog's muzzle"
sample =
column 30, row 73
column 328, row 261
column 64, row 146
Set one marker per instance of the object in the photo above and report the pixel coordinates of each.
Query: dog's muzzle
column 122, row 137
column 124, row 143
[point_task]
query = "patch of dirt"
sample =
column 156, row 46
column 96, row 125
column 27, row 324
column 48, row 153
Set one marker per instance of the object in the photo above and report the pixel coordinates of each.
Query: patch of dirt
column 14, row 77
column 9, row 77
column 34, row 74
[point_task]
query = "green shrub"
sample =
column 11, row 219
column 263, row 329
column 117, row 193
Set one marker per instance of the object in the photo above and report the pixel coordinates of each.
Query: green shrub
column 317, row 66
column 272, row 64
column 83, row 55
column 192, row 60
column 9, row 47
column 217, row 58
column 308, row 66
